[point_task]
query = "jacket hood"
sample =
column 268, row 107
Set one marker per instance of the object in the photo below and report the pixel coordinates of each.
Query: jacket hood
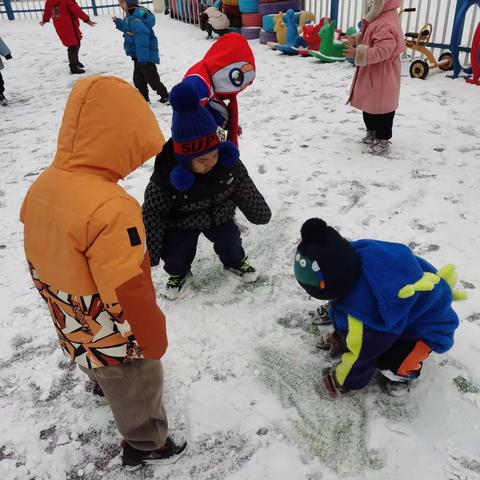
column 107, row 129
column 387, row 268
column 381, row 6
column 229, row 65
column 147, row 17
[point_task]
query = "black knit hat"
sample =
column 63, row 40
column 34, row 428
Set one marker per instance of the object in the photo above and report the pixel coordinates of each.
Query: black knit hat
column 326, row 265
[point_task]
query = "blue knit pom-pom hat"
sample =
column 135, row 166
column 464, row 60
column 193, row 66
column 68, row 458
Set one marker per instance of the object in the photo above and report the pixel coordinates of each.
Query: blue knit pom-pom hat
column 195, row 133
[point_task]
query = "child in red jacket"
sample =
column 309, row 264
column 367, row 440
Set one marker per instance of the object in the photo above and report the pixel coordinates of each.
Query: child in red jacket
column 66, row 15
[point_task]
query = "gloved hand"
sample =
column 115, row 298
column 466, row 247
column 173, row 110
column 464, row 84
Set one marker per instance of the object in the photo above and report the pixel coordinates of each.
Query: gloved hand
column 327, row 386
column 9, row 56
column 321, row 315
column 332, row 343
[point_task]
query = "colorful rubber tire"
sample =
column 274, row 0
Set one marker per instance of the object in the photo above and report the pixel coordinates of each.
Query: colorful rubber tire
column 236, row 22
column 268, row 8
column 231, row 10
column 267, row 22
column 266, row 37
column 248, row 6
column 251, row 20
column 251, row 33
column 231, row 3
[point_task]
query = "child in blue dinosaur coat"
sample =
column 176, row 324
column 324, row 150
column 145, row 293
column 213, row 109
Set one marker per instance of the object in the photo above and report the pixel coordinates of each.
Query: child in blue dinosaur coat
column 141, row 44
column 390, row 309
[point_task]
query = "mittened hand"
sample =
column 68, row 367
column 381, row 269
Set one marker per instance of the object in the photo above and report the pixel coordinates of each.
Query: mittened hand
column 328, row 387
column 8, row 57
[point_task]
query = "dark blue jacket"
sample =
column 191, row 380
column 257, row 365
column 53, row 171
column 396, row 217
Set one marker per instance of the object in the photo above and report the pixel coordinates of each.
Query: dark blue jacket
column 140, row 40
column 378, row 311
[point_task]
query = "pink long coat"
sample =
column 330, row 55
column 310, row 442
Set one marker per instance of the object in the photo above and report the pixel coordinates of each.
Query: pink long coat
column 376, row 84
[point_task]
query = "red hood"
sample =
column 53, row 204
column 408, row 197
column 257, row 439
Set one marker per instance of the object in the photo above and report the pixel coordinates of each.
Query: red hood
column 228, row 67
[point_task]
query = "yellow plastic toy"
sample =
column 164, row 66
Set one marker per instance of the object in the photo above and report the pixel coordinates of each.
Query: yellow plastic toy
column 280, row 28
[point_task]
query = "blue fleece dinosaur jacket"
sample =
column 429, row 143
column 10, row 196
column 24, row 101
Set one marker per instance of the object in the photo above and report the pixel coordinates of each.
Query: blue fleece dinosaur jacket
column 140, row 41
column 374, row 316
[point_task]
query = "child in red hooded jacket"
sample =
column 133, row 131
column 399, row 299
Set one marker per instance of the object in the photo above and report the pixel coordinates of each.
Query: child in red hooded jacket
column 66, row 15
column 226, row 69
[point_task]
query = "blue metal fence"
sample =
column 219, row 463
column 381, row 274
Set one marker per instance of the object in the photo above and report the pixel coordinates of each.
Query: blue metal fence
column 14, row 9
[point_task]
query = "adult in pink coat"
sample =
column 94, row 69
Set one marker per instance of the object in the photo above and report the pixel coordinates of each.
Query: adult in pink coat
column 376, row 84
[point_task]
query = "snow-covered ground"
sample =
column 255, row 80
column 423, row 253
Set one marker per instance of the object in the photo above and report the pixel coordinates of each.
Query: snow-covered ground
column 242, row 359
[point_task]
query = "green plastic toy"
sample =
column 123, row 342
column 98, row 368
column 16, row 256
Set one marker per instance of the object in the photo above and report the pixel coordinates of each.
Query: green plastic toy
column 330, row 50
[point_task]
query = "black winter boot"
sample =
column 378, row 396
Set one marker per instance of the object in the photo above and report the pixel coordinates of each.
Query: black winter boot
column 75, row 69
column 168, row 454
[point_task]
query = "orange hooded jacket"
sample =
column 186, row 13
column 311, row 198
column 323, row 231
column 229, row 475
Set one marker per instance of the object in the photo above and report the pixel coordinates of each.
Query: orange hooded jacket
column 83, row 234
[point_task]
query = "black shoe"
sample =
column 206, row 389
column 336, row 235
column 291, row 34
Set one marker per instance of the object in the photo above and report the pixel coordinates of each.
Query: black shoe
column 75, row 69
column 3, row 100
column 168, row 454
column 244, row 270
column 80, row 65
column 177, row 285
column 165, row 99
column 167, row 11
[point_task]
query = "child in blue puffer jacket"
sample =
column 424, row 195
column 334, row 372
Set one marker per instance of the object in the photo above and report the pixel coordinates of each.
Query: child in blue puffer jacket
column 141, row 44
column 390, row 309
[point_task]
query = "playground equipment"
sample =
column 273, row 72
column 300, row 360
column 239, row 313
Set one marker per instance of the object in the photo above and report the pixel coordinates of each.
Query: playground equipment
column 287, row 27
column 475, row 79
column 311, row 37
column 418, row 42
column 462, row 8
column 305, row 18
column 280, row 28
column 293, row 40
column 330, row 50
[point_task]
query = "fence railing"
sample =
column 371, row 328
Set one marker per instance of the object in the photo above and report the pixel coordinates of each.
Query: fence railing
column 187, row 10
column 14, row 9
column 440, row 13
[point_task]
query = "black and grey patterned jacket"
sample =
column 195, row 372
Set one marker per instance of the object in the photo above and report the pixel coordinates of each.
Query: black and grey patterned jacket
column 211, row 201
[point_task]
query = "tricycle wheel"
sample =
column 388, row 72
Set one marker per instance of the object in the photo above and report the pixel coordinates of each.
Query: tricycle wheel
column 419, row 69
column 447, row 58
